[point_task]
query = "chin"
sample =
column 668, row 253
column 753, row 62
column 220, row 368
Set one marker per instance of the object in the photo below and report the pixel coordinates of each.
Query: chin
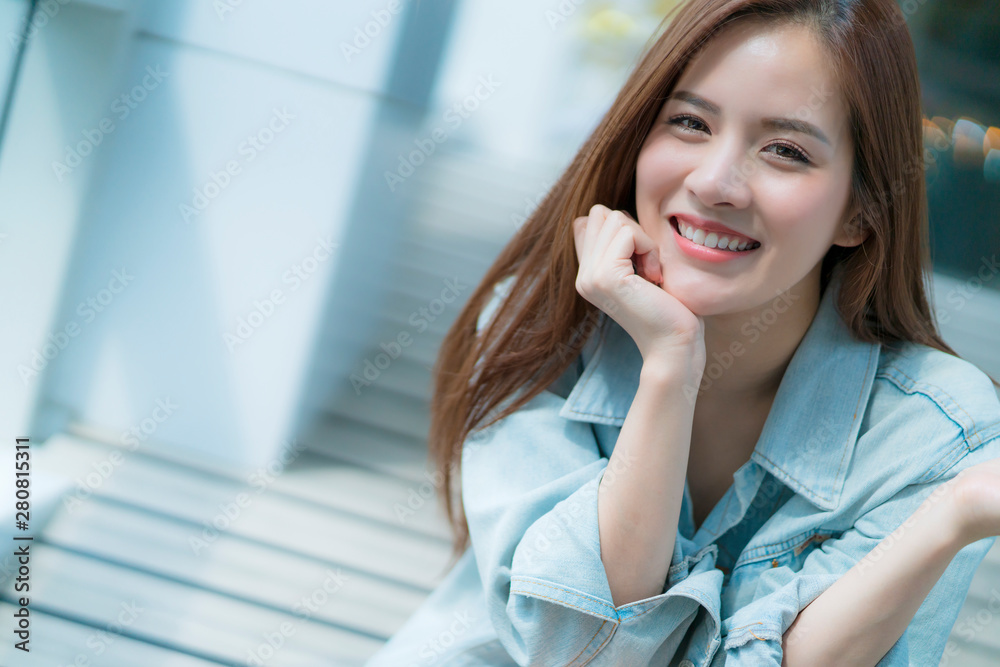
column 697, row 297
column 704, row 307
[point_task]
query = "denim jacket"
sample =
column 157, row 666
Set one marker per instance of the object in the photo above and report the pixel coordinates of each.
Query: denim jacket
column 857, row 437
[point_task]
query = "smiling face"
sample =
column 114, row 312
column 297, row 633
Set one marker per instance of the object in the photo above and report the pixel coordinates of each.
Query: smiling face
column 753, row 149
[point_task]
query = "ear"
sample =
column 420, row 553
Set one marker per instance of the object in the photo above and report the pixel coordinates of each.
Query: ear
column 853, row 229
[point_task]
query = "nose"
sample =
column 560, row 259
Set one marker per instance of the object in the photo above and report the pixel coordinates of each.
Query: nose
column 721, row 177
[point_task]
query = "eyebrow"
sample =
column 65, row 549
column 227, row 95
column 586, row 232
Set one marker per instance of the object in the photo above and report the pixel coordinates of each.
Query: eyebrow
column 789, row 124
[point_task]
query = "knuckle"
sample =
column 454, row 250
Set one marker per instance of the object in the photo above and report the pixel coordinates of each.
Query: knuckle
column 601, row 284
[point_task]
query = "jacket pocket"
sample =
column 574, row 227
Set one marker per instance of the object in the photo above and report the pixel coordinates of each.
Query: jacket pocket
column 791, row 553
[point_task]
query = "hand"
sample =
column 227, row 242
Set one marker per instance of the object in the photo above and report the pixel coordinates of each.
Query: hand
column 976, row 494
column 611, row 247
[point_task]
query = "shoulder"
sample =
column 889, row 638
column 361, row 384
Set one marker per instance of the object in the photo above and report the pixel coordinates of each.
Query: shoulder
column 936, row 407
column 952, row 389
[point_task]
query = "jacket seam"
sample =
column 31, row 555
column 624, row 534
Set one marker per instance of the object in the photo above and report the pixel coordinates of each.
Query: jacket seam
column 522, row 591
column 603, row 644
column 577, row 656
column 788, row 476
column 958, row 452
column 924, row 389
column 854, row 417
column 745, row 626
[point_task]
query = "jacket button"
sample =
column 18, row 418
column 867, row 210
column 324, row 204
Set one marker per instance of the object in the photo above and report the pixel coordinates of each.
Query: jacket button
column 686, row 663
column 774, row 563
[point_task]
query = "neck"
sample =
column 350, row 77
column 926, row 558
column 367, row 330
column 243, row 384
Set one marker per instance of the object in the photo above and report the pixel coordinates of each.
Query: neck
column 748, row 352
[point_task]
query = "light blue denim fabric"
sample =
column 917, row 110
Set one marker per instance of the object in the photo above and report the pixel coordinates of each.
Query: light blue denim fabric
column 857, row 437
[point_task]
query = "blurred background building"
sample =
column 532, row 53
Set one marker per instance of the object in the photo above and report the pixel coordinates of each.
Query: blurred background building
column 232, row 236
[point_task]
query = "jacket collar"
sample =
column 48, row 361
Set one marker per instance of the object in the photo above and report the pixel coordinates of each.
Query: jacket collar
column 808, row 438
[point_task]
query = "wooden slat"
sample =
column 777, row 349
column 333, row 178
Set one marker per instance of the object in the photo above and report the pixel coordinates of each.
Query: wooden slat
column 406, row 375
column 390, row 411
column 257, row 573
column 270, row 517
column 365, row 446
column 173, row 614
column 56, row 641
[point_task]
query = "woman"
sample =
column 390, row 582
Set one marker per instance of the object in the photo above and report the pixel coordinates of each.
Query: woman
column 711, row 421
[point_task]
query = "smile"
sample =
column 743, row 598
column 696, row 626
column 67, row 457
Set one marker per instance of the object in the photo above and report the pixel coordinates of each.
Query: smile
column 708, row 244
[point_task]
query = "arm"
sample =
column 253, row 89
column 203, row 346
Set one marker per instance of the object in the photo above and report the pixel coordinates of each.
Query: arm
column 555, row 525
column 760, row 632
column 639, row 505
column 871, row 606
column 530, row 492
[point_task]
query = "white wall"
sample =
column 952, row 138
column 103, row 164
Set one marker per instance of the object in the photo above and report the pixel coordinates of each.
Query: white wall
column 207, row 81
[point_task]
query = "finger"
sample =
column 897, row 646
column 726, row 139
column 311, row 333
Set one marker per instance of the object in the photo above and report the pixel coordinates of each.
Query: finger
column 598, row 214
column 649, row 267
column 579, row 233
column 620, row 248
column 645, row 257
column 612, row 224
column 648, row 255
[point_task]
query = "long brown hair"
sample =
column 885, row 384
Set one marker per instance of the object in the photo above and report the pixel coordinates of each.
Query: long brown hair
column 539, row 330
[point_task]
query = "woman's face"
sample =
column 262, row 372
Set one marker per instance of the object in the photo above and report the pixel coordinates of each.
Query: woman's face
column 754, row 140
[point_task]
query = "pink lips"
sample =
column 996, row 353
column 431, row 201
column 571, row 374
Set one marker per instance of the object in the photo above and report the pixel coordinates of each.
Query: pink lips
column 696, row 251
column 711, row 226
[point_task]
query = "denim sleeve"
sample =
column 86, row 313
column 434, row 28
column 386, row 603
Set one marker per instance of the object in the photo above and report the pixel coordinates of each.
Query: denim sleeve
column 529, row 489
column 754, row 632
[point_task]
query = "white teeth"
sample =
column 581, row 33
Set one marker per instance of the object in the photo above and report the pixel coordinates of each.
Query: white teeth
column 712, row 240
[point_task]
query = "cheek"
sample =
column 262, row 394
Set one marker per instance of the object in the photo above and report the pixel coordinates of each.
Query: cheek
column 657, row 168
column 801, row 212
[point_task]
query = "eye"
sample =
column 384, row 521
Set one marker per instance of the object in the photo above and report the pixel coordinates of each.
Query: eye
column 784, row 151
column 678, row 120
column 792, row 153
